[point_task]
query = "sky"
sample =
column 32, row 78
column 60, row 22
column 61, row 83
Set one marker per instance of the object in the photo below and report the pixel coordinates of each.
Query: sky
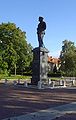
column 59, row 15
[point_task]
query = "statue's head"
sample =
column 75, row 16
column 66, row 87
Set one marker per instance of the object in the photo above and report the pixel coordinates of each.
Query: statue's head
column 41, row 18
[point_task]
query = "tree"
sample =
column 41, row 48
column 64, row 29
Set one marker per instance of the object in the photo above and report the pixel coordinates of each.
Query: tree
column 55, row 69
column 14, row 49
column 68, row 58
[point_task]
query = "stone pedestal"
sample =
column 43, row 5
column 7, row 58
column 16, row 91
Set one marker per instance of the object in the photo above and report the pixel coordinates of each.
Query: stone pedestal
column 40, row 65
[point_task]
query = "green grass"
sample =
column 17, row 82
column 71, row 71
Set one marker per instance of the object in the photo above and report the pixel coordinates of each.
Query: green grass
column 2, row 76
column 56, row 78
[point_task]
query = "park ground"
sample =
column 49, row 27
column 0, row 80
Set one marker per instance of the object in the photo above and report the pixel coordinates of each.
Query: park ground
column 15, row 101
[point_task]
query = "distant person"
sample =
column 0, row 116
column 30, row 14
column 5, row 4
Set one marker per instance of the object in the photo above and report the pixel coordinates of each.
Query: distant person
column 41, row 31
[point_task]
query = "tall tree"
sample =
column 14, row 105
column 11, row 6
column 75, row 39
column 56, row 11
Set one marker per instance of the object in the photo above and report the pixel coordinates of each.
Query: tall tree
column 14, row 48
column 68, row 58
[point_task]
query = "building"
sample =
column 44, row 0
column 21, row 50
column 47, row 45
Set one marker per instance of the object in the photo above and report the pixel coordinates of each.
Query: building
column 52, row 62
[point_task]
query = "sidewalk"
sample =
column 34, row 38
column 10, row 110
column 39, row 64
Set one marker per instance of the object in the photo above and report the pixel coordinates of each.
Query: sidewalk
column 48, row 114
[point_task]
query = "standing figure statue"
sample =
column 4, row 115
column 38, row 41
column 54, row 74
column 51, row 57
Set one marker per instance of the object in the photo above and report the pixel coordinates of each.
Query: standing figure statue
column 41, row 31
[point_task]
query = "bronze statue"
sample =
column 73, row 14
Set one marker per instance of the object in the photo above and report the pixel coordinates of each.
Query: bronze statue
column 41, row 31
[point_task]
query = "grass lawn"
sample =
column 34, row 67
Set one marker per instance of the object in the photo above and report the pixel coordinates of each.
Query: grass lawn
column 16, row 77
column 13, row 77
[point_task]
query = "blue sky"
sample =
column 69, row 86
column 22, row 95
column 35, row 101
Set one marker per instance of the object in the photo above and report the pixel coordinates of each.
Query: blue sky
column 59, row 15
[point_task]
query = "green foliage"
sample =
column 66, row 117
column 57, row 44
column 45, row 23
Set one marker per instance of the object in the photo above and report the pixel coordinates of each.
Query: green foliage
column 14, row 49
column 55, row 69
column 68, row 58
column 54, row 74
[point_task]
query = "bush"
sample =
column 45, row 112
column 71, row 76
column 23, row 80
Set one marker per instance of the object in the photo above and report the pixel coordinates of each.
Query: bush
column 51, row 74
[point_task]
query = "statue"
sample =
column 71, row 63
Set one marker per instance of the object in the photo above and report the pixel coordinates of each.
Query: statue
column 41, row 31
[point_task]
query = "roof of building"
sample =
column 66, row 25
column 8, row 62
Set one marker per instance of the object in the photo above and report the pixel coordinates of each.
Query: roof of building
column 53, row 60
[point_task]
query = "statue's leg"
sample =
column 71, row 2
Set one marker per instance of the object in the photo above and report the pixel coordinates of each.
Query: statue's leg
column 41, row 43
column 40, row 40
column 42, row 35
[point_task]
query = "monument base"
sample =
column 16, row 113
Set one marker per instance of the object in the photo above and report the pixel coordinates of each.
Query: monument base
column 39, row 65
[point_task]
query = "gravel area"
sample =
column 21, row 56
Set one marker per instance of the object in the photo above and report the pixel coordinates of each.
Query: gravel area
column 15, row 101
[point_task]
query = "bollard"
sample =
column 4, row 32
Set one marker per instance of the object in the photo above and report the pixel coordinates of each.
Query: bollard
column 61, row 83
column 64, row 82
column 18, row 81
column 14, row 82
column 74, row 82
column 53, row 84
column 49, row 81
column 25, row 84
column 39, row 84
column 6, row 81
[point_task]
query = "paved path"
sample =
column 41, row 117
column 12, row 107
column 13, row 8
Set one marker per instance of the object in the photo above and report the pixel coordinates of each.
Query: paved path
column 48, row 114
column 16, row 101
